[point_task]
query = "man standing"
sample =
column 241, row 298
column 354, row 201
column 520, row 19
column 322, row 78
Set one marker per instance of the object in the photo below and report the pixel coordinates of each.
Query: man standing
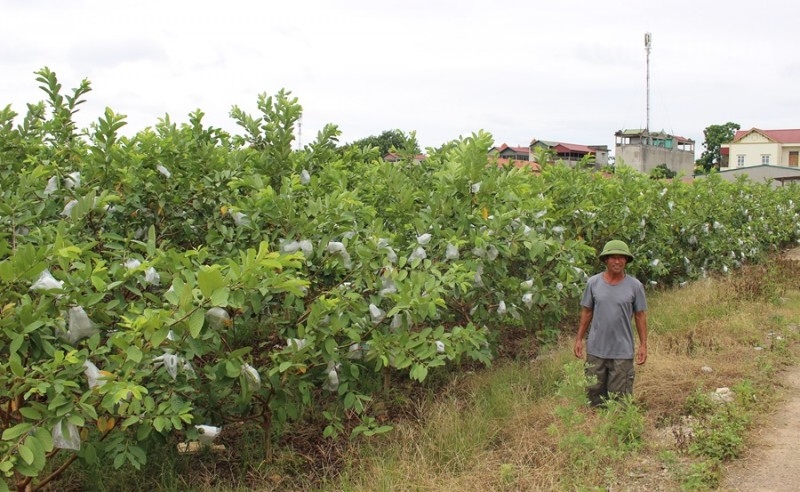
column 611, row 299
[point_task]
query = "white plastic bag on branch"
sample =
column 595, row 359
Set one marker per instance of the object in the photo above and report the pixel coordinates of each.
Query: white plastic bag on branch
column 52, row 186
column 188, row 369
column 528, row 284
column 305, row 178
column 132, row 264
column 439, row 347
column 207, row 433
column 80, row 326
column 475, row 187
column 72, row 180
column 163, row 170
column 355, row 352
column 68, row 208
column 66, row 436
column 296, row 343
column 451, row 252
column 306, row 247
column 397, row 322
column 151, row 276
column 418, row 254
column 478, row 279
column 501, row 307
column 527, row 299
column 240, row 219
column 388, row 287
column 170, row 363
column 424, row 239
column 218, row 318
column 377, row 314
column 46, row 281
column 332, row 381
column 383, row 243
column 289, row 246
column 335, row 247
column 251, row 376
column 491, row 253
column 93, row 375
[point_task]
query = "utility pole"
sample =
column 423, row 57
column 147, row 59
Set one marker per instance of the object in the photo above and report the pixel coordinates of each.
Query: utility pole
column 648, row 39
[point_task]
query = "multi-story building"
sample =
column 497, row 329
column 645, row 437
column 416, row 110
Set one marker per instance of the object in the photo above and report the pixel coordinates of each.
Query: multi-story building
column 644, row 151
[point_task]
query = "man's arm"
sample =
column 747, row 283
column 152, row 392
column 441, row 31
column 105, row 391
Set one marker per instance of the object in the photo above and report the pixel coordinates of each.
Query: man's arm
column 640, row 319
column 583, row 327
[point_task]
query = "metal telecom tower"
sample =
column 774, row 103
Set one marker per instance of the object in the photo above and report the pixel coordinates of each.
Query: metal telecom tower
column 647, row 42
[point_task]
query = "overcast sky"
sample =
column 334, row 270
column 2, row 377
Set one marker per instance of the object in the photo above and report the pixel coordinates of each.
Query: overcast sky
column 564, row 70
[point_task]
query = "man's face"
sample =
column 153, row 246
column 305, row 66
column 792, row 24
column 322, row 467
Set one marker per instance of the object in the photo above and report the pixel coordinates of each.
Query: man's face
column 616, row 263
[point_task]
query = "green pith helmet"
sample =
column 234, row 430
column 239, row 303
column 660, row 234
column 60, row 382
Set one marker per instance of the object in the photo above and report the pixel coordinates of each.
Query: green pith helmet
column 616, row 247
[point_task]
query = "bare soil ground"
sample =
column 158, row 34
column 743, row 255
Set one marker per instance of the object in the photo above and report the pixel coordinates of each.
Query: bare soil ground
column 773, row 463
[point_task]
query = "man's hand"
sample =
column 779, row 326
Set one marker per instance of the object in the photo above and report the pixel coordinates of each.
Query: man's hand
column 578, row 349
column 641, row 355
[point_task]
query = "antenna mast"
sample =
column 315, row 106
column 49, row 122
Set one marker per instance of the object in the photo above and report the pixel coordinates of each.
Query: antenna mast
column 648, row 39
column 300, row 133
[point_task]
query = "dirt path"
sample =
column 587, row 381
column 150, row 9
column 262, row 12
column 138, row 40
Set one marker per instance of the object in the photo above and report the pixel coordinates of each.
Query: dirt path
column 773, row 463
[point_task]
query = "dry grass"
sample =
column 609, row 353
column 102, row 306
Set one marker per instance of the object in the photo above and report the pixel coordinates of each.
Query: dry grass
column 490, row 430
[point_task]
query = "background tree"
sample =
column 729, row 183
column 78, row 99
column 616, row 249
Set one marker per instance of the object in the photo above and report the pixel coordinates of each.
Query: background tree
column 662, row 172
column 389, row 141
column 715, row 136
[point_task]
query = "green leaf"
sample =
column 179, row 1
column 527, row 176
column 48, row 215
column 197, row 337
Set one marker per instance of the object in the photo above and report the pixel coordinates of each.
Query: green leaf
column 209, row 279
column 151, row 241
column 220, row 297
column 16, row 343
column 14, row 432
column 30, row 413
column 16, row 365
column 25, row 453
column 134, row 353
column 45, row 439
column 195, row 322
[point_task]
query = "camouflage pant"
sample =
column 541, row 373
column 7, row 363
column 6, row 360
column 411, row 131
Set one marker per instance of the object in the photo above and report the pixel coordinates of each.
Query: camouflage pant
column 614, row 377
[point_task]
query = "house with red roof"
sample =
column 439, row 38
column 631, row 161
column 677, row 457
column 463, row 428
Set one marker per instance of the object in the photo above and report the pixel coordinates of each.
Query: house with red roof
column 762, row 154
column 571, row 154
column 511, row 153
column 756, row 147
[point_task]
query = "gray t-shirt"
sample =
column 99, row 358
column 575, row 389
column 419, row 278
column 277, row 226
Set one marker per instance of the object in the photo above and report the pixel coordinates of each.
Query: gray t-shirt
column 611, row 333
